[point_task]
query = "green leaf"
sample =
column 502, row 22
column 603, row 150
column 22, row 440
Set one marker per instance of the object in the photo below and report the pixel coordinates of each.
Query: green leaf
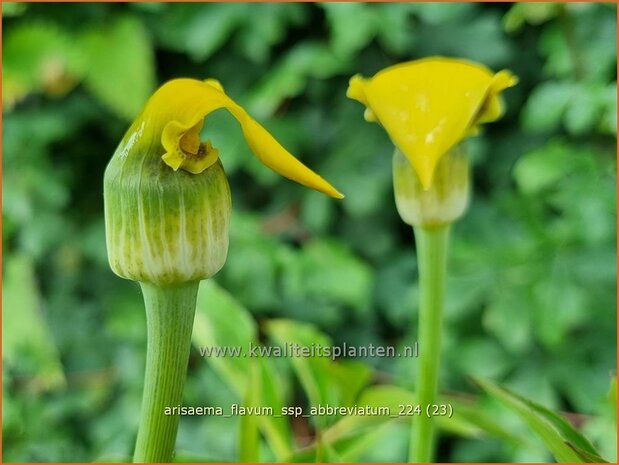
column 311, row 371
column 289, row 76
column 28, row 347
column 259, row 38
column 351, row 377
column 531, row 13
column 465, row 421
column 198, row 29
column 222, row 322
column 276, row 428
column 37, row 57
column 586, row 456
column 612, row 398
column 551, row 428
column 390, row 397
column 486, row 424
column 508, row 318
column 562, row 43
column 585, row 109
column 327, row 270
column 464, row 30
column 324, row 381
column 566, row 296
column 609, row 119
column 602, row 428
column 251, row 268
column 346, row 449
column 189, row 457
column 395, row 29
column 543, row 168
column 10, row 9
column 352, row 435
column 120, row 67
column 612, row 395
column 329, row 455
column 439, row 13
column 353, row 26
column 150, row 7
column 483, row 348
column 546, row 105
column 249, row 442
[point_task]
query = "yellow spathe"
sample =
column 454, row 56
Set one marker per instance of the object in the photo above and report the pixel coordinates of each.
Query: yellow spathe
column 177, row 110
column 427, row 106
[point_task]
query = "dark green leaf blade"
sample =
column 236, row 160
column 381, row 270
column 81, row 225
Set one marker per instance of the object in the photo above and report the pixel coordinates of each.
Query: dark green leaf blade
column 552, row 429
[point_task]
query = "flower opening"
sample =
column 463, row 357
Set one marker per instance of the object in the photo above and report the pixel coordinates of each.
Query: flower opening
column 427, row 106
column 177, row 110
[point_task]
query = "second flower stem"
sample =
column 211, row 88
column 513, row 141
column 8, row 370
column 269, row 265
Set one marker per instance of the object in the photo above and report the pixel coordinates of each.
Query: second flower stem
column 170, row 312
column 432, row 260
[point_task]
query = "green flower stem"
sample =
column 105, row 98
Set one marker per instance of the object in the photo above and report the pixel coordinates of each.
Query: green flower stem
column 432, row 258
column 169, row 312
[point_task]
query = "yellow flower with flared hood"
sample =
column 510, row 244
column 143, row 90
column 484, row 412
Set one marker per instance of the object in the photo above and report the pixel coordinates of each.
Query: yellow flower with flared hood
column 427, row 106
column 167, row 199
column 175, row 115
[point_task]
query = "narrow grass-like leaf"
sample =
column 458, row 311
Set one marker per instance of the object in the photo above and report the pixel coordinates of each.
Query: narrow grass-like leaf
column 26, row 336
column 221, row 321
column 249, row 442
column 352, row 435
column 586, row 456
column 612, row 395
column 276, row 428
column 551, row 428
column 324, row 381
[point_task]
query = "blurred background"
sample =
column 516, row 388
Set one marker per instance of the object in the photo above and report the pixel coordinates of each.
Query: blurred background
column 532, row 272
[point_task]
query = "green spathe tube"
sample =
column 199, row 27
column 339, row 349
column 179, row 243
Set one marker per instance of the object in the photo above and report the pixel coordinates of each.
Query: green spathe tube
column 444, row 201
column 163, row 226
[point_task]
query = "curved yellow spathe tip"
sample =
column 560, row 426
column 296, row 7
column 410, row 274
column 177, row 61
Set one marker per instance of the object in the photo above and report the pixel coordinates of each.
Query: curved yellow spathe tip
column 427, row 106
column 177, row 111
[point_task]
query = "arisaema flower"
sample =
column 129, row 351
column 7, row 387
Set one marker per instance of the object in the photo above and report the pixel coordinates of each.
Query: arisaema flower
column 427, row 106
column 178, row 110
column 167, row 213
column 167, row 200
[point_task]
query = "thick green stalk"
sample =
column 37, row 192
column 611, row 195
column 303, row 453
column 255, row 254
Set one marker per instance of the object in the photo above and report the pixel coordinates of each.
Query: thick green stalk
column 169, row 312
column 432, row 258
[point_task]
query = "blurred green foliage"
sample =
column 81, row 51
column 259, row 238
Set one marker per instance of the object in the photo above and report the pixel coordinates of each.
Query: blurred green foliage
column 531, row 292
